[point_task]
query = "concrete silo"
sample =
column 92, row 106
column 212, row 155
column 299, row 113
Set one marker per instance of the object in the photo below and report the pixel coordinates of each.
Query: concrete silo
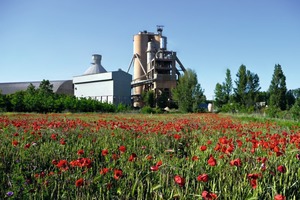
column 155, row 68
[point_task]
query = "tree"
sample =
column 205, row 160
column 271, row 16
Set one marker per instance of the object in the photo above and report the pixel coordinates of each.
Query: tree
column 188, row 94
column 223, row 91
column 247, row 87
column 228, row 85
column 17, row 101
column 278, row 89
column 220, row 96
column 149, row 98
column 290, row 99
column 241, row 84
column 45, row 88
column 252, row 88
column 2, row 102
column 30, row 98
column 45, row 97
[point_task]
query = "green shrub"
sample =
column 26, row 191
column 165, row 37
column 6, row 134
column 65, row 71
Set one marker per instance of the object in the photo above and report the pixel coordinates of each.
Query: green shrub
column 147, row 110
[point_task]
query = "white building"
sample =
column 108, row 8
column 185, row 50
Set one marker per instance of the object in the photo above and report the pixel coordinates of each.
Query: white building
column 112, row 87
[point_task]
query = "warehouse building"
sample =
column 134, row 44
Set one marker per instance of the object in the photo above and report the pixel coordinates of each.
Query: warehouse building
column 59, row 87
column 96, row 83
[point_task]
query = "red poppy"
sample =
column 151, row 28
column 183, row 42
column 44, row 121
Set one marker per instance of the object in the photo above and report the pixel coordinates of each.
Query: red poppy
column 236, row 162
column 53, row 136
column 154, row 168
column 118, row 173
column 79, row 182
column 179, row 180
column 54, row 162
column 263, row 167
column 149, row 157
column 253, row 183
column 62, row 164
column 203, row 177
column 195, row 158
column 104, row 171
column 122, row 149
column 80, row 152
column 212, row 161
column 132, row 157
column 253, row 179
column 279, row 197
column 27, row 145
column 62, row 141
column 15, row 143
column 159, row 163
column 177, row 136
column 115, row 156
column 203, row 148
column 281, row 168
column 208, row 195
column 104, row 152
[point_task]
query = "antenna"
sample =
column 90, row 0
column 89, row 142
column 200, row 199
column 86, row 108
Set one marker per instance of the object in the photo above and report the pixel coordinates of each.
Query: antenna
column 159, row 29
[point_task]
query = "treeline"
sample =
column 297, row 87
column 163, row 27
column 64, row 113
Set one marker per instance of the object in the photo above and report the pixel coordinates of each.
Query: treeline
column 44, row 100
column 245, row 96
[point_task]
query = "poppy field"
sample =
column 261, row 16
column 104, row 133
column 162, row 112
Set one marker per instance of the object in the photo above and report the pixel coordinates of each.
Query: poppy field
column 136, row 156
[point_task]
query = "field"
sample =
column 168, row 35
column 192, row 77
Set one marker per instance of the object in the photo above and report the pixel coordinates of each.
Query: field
column 135, row 156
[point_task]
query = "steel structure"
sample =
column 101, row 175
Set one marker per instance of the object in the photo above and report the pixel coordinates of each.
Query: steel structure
column 155, row 67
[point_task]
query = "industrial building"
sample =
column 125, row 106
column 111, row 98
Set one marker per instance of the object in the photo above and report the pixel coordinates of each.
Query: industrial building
column 155, row 67
column 96, row 83
column 59, row 87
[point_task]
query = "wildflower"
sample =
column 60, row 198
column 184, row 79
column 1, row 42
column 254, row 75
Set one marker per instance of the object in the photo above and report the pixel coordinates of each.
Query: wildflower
column 298, row 156
column 10, row 193
column 279, row 197
column 53, row 136
column 104, row 152
column 104, row 171
column 122, row 149
column 62, row 141
column 27, row 146
column 159, row 163
column 115, row 156
column 149, row 157
column 15, row 143
column 281, row 168
column 176, row 136
column 208, row 195
column 212, row 161
column 154, row 168
column 253, row 179
column 202, row 177
column 203, row 148
column 179, row 180
column 118, row 173
column 236, row 162
column 80, row 152
column 79, row 182
column 195, row 158
column 54, row 162
column 63, row 165
column 132, row 157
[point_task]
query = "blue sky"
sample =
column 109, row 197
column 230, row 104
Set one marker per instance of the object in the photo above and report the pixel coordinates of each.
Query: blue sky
column 54, row 39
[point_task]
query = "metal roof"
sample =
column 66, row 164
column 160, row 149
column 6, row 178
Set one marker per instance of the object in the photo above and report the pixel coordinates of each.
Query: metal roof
column 59, row 87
